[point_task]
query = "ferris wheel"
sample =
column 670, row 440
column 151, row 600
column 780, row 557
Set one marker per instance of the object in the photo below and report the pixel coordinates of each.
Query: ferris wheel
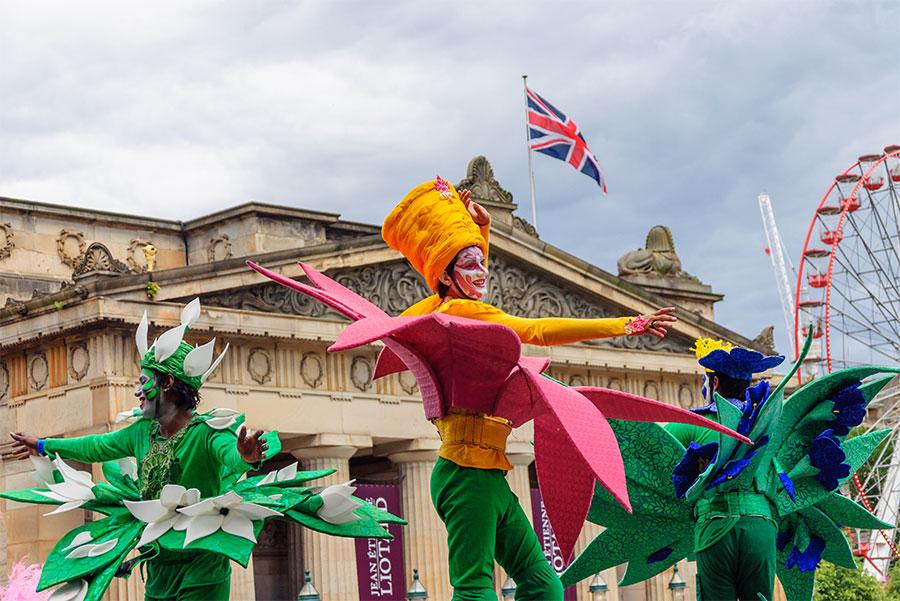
column 848, row 289
column 848, row 282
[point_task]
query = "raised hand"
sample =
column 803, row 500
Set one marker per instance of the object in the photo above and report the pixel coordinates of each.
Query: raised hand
column 660, row 322
column 252, row 448
column 479, row 214
column 21, row 447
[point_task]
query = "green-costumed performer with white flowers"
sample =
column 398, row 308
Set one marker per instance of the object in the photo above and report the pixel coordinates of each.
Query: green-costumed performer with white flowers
column 181, row 503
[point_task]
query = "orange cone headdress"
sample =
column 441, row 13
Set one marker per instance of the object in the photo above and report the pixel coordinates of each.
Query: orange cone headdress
column 430, row 226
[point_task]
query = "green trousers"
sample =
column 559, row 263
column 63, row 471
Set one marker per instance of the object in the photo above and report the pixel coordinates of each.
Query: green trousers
column 485, row 522
column 188, row 576
column 741, row 565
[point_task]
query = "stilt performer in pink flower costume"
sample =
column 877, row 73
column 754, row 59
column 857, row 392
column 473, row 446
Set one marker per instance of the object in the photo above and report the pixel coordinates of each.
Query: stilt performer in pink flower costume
column 466, row 358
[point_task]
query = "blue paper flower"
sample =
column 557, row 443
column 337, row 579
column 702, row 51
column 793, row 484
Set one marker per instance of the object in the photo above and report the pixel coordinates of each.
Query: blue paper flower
column 739, row 363
column 695, row 460
column 826, row 454
column 756, row 399
column 787, row 483
column 849, row 409
column 732, row 469
column 659, row 555
column 808, row 560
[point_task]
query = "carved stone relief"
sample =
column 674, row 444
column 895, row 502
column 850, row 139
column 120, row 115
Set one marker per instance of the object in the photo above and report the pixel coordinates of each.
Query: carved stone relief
column 311, row 370
column 4, row 383
column 259, row 364
column 521, row 224
column 70, row 246
column 394, row 287
column 219, row 249
column 6, row 240
column 615, row 384
column 686, row 396
column 79, row 361
column 577, row 380
column 651, row 390
column 361, row 373
column 408, row 383
column 98, row 259
column 135, row 258
column 480, row 181
column 38, row 371
column 657, row 259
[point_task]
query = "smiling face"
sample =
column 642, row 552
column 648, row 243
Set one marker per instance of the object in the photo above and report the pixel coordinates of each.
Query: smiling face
column 469, row 277
column 149, row 393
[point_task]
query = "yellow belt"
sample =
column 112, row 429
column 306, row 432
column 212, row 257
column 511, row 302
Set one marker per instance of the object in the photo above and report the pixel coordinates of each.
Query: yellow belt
column 474, row 439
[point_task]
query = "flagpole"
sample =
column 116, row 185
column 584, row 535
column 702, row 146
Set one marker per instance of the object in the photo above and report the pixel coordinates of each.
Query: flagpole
column 530, row 158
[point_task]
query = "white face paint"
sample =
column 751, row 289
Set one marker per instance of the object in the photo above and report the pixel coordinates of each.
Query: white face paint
column 470, row 275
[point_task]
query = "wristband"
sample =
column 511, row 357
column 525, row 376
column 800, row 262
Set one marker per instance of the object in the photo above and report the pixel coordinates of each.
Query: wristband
column 40, row 447
column 637, row 325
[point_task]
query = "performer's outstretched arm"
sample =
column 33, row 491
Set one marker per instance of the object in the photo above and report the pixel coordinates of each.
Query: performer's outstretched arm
column 550, row 331
column 88, row 449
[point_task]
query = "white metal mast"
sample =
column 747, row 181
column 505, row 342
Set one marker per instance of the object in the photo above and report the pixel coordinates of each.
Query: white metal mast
column 779, row 264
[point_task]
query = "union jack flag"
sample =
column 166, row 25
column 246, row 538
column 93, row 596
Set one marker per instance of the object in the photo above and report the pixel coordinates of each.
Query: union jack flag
column 553, row 133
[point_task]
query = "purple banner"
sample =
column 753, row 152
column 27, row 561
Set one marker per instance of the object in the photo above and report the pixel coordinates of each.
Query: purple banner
column 379, row 562
column 548, row 540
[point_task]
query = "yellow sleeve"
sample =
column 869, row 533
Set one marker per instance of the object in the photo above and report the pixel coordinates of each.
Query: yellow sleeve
column 427, row 305
column 545, row 331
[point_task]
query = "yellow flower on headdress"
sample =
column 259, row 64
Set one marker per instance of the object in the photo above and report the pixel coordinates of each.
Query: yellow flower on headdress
column 704, row 346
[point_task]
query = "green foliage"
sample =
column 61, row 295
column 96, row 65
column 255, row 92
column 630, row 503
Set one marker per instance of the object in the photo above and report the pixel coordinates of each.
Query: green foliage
column 840, row 584
column 893, row 589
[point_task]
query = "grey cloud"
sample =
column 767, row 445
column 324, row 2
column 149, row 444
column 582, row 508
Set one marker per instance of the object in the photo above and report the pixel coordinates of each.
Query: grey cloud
column 692, row 109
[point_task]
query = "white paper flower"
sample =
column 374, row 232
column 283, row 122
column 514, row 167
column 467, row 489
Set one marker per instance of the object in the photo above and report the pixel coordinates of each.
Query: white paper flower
column 132, row 413
column 282, row 475
column 128, row 467
column 43, row 470
column 71, row 591
column 161, row 514
column 227, row 512
column 222, row 418
column 81, row 546
column 339, row 504
column 73, row 491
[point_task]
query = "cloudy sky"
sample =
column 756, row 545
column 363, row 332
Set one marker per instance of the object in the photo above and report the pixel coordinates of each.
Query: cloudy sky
column 692, row 108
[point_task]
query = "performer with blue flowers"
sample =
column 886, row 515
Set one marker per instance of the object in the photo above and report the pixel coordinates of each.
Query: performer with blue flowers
column 747, row 512
column 736, row 532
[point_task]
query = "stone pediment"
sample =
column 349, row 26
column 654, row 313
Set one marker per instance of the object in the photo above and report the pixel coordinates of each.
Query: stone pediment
column 515, row 287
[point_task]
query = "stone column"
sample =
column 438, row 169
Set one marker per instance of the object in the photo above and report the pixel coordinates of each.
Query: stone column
column 425, row 538
column 331, row 560
column 243, row 586
column 518, row 478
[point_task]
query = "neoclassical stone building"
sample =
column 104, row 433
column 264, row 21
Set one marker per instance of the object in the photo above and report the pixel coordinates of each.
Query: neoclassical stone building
column 75, row 282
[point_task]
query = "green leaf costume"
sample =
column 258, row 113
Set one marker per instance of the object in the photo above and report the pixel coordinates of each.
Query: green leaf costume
column 181, row 500
column 688, row 497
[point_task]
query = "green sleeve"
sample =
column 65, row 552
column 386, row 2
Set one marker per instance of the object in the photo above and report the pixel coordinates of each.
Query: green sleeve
column 97, row 447
column 687, row 433
column 223, row 447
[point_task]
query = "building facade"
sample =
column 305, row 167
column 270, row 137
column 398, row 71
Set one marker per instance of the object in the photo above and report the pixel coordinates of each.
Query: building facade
column 74, row 282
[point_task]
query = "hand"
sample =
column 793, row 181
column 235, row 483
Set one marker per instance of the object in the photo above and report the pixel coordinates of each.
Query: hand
column 660, row 322
column 22, row 446
column 252, row 448
column 479, row 214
